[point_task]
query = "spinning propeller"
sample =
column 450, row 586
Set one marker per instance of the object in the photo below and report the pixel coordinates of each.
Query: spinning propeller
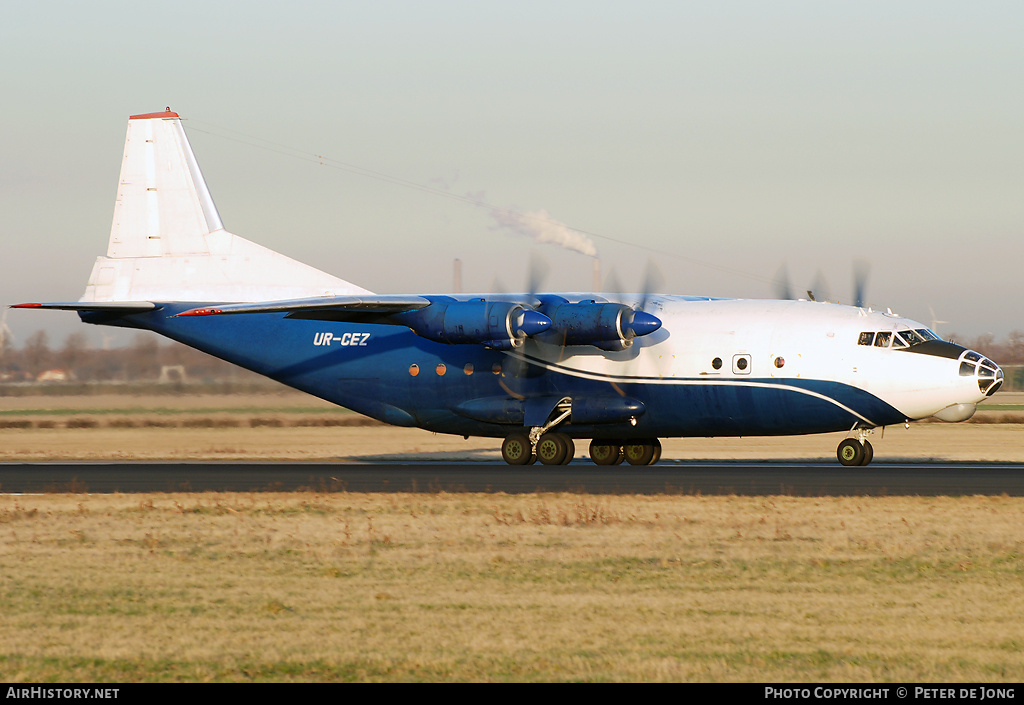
column 820, row 290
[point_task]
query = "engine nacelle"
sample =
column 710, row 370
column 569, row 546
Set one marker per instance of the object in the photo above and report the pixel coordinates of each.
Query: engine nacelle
column 501, row 325
column 607, row 326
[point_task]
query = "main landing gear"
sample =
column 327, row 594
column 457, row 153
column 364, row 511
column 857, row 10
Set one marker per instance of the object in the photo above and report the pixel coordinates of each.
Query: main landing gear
column 544, row 443
column 856, row 451
column 553, row 448
column 634, row 452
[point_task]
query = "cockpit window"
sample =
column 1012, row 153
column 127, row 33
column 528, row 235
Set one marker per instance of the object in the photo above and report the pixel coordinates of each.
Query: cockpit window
column 972, row 356
column 903, row 339
column 912, row 337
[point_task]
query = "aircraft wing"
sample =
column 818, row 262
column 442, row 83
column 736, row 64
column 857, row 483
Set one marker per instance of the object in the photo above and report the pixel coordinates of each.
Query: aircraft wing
column 330, row 308
column 500, row 324
column 496, row 323
column 326, row 308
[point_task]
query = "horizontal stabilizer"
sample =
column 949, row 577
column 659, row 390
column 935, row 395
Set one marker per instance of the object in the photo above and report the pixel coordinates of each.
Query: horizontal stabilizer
column 105, row 306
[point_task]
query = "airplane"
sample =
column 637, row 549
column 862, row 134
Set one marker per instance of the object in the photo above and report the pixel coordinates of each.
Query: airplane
column 540, row 371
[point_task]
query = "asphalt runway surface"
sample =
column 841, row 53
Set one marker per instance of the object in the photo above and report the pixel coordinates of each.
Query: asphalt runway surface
column 801, row 479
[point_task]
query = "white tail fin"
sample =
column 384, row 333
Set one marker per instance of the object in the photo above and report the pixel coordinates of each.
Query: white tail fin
column 167, row 242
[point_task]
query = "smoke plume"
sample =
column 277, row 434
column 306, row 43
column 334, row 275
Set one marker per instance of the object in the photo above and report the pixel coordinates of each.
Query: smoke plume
column 540, row 226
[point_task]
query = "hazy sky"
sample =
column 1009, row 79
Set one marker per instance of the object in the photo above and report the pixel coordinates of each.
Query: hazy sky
column 724, row 139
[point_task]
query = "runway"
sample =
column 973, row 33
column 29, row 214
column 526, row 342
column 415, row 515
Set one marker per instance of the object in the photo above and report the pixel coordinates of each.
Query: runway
column 800, row 479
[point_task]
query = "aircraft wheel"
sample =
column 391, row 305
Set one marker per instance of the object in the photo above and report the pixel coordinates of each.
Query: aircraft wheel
column 642, row 452
column 869, row 453
column 516, row 449
column 552, row 448
column 850, row 452
column 570, row 449
column 657, row 452
column 604, row 452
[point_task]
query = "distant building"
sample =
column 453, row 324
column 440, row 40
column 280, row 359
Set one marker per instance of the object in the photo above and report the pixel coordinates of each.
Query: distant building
column 172, row 374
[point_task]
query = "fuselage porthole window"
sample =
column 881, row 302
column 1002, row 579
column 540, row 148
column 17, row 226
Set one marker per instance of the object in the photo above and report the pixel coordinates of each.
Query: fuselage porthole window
column 741, row 364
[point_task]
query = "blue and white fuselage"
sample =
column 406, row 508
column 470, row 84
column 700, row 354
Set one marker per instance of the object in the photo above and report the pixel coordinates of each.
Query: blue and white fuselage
column 714, row 368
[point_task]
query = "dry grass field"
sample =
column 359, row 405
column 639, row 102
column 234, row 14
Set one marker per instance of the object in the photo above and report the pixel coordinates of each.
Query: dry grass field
column 453, row 587
column 349, row 587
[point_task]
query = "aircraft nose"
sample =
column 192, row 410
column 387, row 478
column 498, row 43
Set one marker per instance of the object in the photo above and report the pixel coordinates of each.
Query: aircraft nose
column 988, row 374
column 989, row 385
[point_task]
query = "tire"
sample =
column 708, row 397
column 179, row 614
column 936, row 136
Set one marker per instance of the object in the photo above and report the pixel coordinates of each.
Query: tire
column 570, row 449
column 516, row 450
column 640, row 452
column 850, row 452
column 552, row 449
column 604, row 452
column 869, row 453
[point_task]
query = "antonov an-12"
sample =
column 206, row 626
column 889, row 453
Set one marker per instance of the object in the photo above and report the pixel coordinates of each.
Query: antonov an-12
column 541, row 371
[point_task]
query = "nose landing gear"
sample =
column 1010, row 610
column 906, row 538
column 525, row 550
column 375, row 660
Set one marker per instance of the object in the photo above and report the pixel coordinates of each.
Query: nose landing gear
column 856, row 451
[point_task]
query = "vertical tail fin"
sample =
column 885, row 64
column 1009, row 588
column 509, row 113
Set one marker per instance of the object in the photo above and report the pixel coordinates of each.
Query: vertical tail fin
column 163, row 206
column 167, row 241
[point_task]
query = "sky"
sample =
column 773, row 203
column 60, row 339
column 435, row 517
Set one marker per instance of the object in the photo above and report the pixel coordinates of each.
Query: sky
column 730, row 143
